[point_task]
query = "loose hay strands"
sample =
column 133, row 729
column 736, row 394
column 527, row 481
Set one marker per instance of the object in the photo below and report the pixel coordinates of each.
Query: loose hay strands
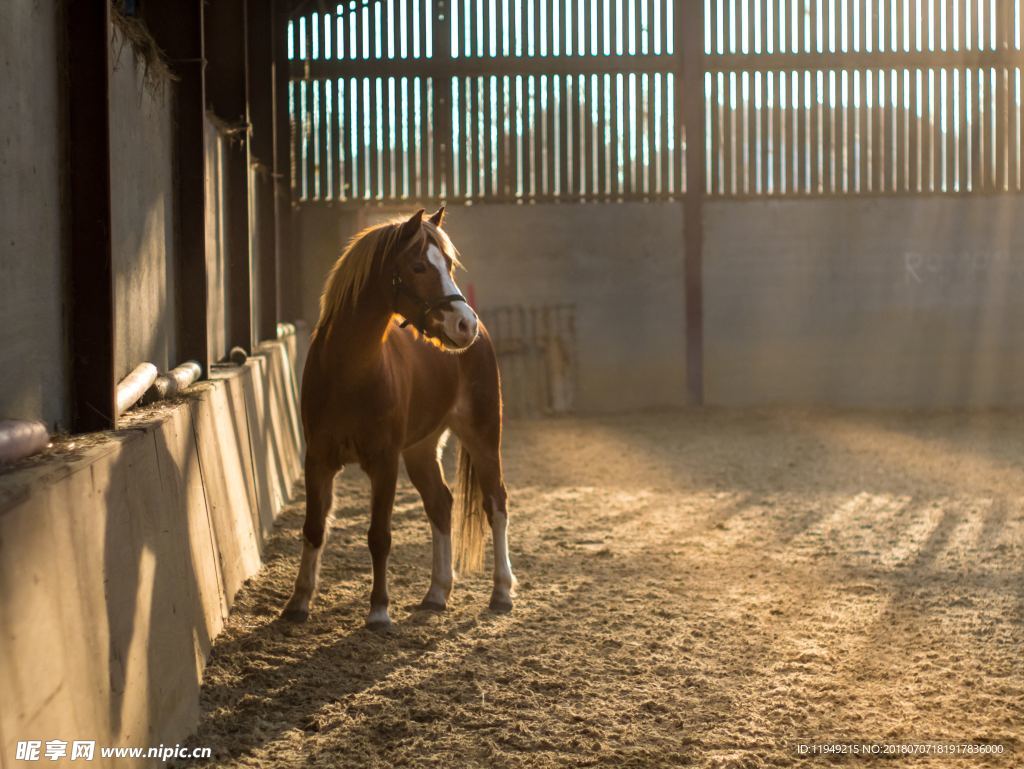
column 156, row 73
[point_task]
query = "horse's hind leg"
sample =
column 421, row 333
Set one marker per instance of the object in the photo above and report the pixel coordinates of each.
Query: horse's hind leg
column 319, row 493
column 484, row 450
column 424, row 468
column 492, row 485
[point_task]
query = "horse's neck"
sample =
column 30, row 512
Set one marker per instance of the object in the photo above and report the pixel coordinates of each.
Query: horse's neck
column 356, row 335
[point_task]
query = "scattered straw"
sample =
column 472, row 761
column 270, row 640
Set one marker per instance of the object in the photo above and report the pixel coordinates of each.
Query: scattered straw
column 133, row 32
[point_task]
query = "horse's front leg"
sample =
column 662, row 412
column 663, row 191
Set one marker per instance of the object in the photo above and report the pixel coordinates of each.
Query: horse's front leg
column 319, row 495
column 383, row 472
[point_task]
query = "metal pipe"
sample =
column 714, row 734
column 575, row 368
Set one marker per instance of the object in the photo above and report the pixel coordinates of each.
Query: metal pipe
column 171, row 383
column 132, row 387
column 20, row 438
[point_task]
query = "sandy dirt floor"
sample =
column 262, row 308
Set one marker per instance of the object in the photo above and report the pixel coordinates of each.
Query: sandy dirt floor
column 698, row 588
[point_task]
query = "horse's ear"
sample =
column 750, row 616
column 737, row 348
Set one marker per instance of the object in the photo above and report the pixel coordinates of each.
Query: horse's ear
column 411, row 226
column 437, row 218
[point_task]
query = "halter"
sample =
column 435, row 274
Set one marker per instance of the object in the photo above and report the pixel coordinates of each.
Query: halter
column 426, row 306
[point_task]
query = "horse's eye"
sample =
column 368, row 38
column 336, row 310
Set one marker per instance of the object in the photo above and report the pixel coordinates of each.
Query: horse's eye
column 419, row 268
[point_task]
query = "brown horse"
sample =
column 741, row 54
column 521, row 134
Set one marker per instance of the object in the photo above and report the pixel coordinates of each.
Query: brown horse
column 374, row 390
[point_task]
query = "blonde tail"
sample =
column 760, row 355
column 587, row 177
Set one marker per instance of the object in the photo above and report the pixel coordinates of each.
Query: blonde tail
column 468, row 517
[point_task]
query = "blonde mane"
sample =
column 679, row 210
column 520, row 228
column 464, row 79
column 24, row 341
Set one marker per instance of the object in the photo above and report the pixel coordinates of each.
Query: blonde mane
column 361, row 258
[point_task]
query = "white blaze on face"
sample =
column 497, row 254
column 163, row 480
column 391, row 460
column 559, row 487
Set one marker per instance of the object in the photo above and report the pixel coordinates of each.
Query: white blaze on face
column 460, row 322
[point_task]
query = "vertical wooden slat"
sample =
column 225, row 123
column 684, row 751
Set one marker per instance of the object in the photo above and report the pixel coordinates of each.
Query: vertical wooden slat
column 1002, row 111
column 848, row 121
column 550, row 121
column 550, row 34
column 816, row 150
column 961, row 11
column 1013, row 143
column 323, row 142
column 389, row 180
column 357, row 173
column 927, row 135
column 338, row 143
column 978, row 34
column 440, row 147
column 504, row 137
column 914, row 175
column 601, row 147
column 309, row 136
column 952, row 159
column 973, row 106
column 778, row 160
column 762, row 5
column 566, row 180
column 828, row 143
column 863, row 134
column 900, row 149
column 649, row 170
column 372, row 134
column 637, row 163
column 485, row 48
column 940, row 176
column 900, row 29
column 729, row 27
column 489, row 150
column 715, row 136
column 465, row 168
column 442, row 43
column 531, row 179
column 763, row 142
column 414, row 177
column 729, row 134
column 666, row 128
column 515, row 142
column 521, row 148
column 752, row 139
column 625, row 137
column 611, row 179
column 1015, row 139
column 585, row 168
column 889, row 156
column 787, row 163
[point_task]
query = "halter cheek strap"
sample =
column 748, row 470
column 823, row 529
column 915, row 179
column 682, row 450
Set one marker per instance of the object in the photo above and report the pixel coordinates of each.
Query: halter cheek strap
column 426, row 307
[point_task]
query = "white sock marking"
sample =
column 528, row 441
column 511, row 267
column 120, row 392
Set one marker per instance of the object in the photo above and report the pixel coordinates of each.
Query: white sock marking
column 504, row 580
column 441, row 577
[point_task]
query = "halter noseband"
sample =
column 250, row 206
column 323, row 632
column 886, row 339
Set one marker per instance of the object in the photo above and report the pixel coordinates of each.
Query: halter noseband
column 426, row 307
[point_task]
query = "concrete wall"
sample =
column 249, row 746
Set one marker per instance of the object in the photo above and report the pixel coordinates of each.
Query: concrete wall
column 881, row 303
column 142, row 212
column 888, row 303
column 154, row 529
column 34, row 383
column 619, row 264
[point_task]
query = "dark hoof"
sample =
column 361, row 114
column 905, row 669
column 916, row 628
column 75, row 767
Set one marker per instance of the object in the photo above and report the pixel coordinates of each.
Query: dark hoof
column 426, row 605
column 500, row 605
column 295, row 615
column 379, row 625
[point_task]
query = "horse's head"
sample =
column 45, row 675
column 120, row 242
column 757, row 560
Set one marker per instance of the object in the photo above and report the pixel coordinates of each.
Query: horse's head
column 425, row 291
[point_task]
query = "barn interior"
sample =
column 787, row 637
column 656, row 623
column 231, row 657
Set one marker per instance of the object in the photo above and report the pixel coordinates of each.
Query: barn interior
column 753, row 270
